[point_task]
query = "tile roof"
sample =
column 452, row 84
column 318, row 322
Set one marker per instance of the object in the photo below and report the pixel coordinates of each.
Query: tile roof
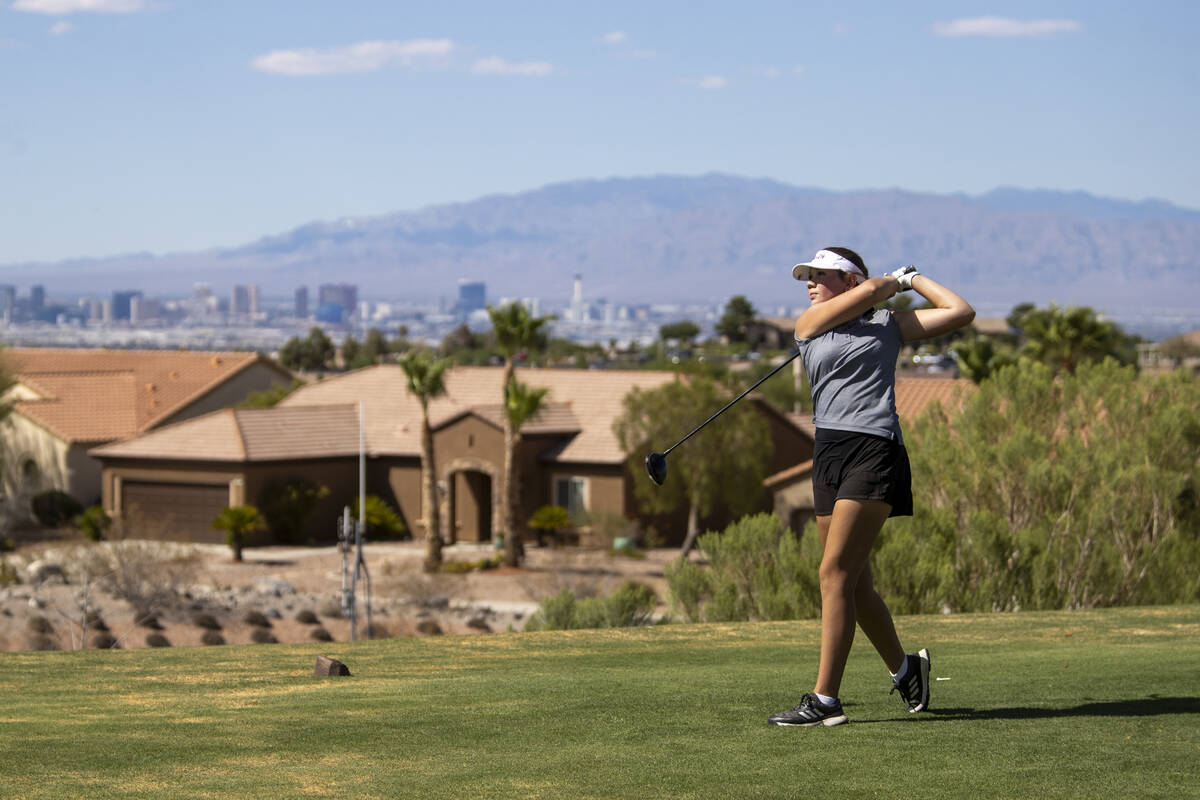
column 585, row 400
column 249, row 434
column 90, row 395
column 914, row 394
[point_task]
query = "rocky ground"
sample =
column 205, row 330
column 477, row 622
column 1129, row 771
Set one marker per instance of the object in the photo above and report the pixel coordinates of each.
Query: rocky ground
column 69, row 592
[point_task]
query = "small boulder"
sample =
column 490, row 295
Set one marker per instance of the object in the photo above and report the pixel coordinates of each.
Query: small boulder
column 330, row 667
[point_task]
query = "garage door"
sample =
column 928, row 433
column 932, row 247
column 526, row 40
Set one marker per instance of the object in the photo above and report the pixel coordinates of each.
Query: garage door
column 174, row 509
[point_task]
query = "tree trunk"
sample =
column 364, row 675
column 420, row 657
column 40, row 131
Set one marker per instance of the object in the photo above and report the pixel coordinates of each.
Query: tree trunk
column 693, row 530
column 429, row 499
column 514, row 548
column 237, row 546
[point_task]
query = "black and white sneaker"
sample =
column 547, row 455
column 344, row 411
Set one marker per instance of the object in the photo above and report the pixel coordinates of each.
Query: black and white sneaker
column 914, row 686
column 810, row 712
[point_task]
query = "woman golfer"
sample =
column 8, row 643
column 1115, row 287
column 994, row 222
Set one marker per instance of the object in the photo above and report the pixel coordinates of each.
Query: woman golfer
column 860, row 467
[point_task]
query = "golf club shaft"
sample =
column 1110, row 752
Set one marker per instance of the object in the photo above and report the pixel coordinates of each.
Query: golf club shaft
column 731, row 402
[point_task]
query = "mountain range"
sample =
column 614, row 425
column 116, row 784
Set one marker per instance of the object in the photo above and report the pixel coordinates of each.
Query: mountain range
column 703, row 239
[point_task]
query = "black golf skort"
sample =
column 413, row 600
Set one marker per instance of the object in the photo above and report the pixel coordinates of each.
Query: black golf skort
column 860, row 466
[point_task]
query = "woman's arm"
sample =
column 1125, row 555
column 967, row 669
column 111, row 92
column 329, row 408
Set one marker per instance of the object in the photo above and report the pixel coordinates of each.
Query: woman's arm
column 950, row 313
column 846, row 306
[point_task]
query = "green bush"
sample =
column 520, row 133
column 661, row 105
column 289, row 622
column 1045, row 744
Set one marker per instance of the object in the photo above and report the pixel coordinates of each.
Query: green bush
column 287, row 505
column 93, row 521
column 157, row 640
column 212, row 637
column 263, row 636
column 53, row 508
column 632, row 604
column 8, row 573
column 307, row 617
column 206, row 621
column 383, row 522
column 758, row 570
column 104, row 640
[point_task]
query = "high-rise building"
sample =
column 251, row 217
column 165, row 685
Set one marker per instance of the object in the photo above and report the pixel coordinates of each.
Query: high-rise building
column 8, row 300
column 342, row 295
column 37, row 298
column 472, row 296
column 243, row 300
column 120, row 303
column 302, row 302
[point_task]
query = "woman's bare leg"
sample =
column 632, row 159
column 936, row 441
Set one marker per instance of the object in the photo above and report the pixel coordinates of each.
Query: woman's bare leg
column 852, row 530
column 876, row 622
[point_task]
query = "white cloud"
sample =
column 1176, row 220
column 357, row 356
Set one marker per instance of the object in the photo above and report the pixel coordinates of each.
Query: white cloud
column 495, row 65
column 360, row 57
column 60, row 7
column 616, row 37
column 711, row 82
column 1003, row 27
column 60, row 28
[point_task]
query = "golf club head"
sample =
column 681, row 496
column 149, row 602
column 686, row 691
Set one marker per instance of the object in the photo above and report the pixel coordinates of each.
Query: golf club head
column 656, row 466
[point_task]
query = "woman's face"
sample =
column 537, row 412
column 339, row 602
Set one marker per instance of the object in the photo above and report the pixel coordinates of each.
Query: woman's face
column 825, row 284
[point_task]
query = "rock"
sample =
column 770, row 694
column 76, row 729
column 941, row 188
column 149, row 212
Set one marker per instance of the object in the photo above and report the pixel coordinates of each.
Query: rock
column 327, row 667
column 277, row 587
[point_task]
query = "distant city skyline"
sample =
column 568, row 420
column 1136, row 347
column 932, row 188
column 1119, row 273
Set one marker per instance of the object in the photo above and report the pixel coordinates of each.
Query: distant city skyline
column 127, row 129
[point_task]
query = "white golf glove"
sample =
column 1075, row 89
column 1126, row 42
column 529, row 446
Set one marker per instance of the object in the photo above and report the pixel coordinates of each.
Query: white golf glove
column 904, row 276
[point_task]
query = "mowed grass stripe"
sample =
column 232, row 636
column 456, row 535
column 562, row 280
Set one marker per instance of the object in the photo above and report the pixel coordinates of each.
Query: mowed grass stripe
column 1070, row 704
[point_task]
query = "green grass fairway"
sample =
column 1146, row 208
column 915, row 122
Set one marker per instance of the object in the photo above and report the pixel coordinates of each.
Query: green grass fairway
column 1068, row 704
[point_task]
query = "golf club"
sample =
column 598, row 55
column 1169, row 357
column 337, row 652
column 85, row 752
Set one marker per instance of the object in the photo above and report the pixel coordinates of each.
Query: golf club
column 656, row 463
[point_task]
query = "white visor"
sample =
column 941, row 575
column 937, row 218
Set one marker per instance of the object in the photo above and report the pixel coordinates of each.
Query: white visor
column 825, row 259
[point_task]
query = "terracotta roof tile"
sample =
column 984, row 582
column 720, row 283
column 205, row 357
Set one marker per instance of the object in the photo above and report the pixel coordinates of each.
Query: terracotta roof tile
column 98, row 395
column 256, row 434
column 209, row 437
column 393, row 416
column 914, row 394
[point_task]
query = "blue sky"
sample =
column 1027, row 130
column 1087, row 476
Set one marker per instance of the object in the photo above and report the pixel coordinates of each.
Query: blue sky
column 172, row 125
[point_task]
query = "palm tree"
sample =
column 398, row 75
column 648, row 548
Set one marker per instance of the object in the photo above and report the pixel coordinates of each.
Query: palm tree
column 517, row 332
column 521, row 403
column 237, row 522
column 426, row 380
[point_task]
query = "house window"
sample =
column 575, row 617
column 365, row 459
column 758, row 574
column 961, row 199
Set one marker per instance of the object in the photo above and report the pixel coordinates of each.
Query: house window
column 571, row 494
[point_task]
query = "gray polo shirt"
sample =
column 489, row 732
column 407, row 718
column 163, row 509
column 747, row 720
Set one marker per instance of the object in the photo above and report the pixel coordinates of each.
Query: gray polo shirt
column 852, row 369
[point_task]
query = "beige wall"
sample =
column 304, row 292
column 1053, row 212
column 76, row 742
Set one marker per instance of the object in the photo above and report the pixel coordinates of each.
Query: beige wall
column 23, row 441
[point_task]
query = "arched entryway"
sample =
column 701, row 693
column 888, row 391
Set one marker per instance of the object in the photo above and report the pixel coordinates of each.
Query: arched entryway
column 473, row 502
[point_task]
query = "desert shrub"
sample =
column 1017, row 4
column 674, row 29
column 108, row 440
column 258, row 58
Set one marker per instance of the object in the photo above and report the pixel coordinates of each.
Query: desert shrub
column 7, row 545
column 332, row 609
column 93, row 521
column 462, row 567
column 429, row 627
column 8, row 573
column 150, row 621
column 320, row 635
column 94, row 621
column 53, row 508
column 631, row 604
column 40, row 641
column 103, row 640
column 206, row 621
column 257, row 619
column 263, row 636
column 39, row 624
column 307, row 617
column 212, row 637
column 148, row 575
column 157, row 640
column 287, row 505
column 757, row 570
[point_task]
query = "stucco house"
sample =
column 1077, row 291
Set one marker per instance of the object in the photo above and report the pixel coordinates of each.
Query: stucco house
column 569, row 454
column 67, row 401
